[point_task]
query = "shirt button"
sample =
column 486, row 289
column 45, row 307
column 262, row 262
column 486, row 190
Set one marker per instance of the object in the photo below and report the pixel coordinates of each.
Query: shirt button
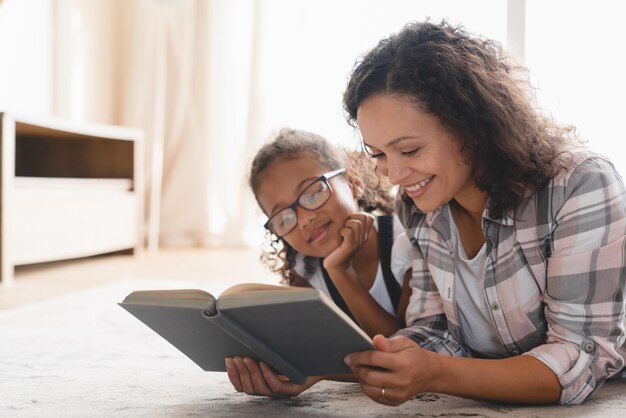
column 589, row 347
column 495, row 306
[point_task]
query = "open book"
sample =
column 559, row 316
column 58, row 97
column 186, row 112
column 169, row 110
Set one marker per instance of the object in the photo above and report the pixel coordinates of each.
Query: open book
column 299, row 332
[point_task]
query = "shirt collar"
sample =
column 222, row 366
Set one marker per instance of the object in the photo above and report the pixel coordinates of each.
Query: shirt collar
column 506, row 219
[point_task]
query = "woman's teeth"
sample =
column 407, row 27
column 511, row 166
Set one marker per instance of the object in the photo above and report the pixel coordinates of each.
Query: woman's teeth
column 419, row 185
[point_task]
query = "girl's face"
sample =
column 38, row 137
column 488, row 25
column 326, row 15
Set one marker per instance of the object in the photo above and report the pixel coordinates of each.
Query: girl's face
column 415, row 151
column 317, row 232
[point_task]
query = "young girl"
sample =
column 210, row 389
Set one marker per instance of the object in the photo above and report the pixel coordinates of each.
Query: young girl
column 323, row 234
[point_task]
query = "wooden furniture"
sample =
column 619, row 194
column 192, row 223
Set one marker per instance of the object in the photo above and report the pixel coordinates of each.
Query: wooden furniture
column 67, row 190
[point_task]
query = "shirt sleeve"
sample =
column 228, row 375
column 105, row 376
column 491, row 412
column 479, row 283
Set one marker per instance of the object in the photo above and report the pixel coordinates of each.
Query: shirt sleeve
column 426, row 321
column 585, row 281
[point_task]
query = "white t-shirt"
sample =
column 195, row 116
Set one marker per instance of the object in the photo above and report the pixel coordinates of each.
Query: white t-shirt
column 476, row 323
column 400, row 264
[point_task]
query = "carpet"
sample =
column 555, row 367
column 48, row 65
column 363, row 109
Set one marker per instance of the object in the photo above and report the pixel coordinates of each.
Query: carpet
column 82, row 355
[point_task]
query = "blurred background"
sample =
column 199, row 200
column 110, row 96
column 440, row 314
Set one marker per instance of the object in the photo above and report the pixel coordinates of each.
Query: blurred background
column 208, row 81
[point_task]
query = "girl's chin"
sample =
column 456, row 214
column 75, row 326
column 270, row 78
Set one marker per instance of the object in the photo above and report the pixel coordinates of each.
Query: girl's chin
column 327, row 248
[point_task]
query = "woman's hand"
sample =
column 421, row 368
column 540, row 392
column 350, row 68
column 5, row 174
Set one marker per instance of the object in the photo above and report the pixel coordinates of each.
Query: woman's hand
column 355, row 233
column 395, row 372
column 254, row 378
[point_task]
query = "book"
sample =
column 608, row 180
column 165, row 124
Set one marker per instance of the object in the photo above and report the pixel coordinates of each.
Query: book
column 299, row 332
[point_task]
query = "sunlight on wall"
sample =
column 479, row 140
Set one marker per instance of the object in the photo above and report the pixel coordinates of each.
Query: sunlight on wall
column 306, row 50
column 26, row 50
column 77, row 68
column 306, row 53
column 575, row 52
column 572, row 48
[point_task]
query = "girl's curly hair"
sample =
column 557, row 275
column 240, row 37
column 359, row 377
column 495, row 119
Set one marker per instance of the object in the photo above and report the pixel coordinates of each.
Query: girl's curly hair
column 277, row 254
column 478, row 94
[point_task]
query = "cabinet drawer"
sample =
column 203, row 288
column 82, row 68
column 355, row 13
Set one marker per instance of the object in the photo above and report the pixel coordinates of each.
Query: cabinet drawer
column 57, row 219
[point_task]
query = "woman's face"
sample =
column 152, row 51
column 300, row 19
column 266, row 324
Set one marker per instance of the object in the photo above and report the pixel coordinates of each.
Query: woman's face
column 415, row 151
column 317, row 232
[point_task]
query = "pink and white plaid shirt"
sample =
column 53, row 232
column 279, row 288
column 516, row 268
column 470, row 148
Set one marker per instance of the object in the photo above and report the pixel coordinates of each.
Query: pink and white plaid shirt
column 554, row 282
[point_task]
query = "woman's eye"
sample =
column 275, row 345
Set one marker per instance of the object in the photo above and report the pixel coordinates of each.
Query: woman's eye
column 374, row 153
column 410, row 152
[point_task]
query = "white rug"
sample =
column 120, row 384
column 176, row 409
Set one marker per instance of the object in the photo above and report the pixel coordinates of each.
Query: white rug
column 82, row 355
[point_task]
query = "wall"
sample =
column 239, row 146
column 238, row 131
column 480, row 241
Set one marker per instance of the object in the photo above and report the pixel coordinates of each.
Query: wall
column 87, row 68
column 26, row 54
column 575, row 53
column 61, row 57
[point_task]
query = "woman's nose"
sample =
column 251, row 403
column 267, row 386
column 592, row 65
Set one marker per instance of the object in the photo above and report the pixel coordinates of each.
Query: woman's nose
column 397, row 171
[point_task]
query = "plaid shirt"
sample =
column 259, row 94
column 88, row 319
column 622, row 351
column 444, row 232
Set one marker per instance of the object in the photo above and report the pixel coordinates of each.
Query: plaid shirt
column 554, row 281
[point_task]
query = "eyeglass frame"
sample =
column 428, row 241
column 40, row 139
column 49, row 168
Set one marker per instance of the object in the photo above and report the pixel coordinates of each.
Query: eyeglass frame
column 325, row 178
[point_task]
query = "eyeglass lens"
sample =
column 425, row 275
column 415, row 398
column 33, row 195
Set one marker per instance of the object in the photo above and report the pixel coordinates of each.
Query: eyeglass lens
column 312, row 198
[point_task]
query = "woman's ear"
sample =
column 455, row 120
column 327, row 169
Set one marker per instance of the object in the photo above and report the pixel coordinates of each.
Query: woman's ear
column 356, row 182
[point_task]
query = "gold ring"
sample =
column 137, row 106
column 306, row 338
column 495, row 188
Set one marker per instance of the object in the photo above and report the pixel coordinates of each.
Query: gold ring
column 382, row 393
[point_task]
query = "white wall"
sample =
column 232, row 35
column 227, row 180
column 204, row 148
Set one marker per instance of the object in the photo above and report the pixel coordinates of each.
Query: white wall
column 87, row 67
column 26, row 56
column 575, row 51
column 307, row 48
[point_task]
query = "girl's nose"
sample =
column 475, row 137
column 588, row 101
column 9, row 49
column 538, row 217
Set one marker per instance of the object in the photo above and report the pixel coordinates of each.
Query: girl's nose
column 305, row 216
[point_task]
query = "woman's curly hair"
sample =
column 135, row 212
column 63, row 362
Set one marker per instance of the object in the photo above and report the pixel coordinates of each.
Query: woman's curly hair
column 277, row 254
column 478, row 94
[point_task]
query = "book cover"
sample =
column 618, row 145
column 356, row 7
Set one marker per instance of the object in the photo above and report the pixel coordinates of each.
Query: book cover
column 298, row 331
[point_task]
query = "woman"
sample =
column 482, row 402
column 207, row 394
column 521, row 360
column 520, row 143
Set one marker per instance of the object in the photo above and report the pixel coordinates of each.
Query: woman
column 518, row 231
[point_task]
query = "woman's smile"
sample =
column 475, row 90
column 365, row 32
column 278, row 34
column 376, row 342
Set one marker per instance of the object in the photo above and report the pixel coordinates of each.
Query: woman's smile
column 418, row 189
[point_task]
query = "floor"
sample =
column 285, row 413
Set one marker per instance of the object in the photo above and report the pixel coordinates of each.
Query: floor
column 68, row 350
column 37, row 283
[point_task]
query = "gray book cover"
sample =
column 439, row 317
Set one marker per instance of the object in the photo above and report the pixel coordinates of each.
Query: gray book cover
column 299, row 332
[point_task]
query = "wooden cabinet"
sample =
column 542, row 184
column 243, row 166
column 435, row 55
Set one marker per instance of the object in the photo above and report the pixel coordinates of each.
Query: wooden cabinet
column 67, row 191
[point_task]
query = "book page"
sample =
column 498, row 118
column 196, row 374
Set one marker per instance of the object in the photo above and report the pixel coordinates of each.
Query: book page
column 182, row 298
column 249, row 294
column 253, row 287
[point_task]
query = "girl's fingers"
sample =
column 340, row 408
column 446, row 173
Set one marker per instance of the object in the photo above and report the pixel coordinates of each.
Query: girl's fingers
column 363, row 224
column 244, row 376
column 350, row 239
column 233, row 374
column 271, row 378
column 279, row 387
column 356, row 227
column 370, row 223
column 259, row 384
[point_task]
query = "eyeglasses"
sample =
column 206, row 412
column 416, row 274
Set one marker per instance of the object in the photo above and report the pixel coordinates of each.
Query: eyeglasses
column 311, row 198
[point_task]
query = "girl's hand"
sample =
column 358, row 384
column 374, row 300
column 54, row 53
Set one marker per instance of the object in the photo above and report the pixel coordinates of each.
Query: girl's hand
column 398, row 365
column 355, row 233
column 254, row 378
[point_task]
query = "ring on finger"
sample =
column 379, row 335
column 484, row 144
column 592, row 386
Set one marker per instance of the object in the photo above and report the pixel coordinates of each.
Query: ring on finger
column 382, row 393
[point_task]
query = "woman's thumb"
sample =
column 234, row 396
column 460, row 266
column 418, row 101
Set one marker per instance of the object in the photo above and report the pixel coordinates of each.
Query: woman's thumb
column 389, row 345
column 380, row 342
